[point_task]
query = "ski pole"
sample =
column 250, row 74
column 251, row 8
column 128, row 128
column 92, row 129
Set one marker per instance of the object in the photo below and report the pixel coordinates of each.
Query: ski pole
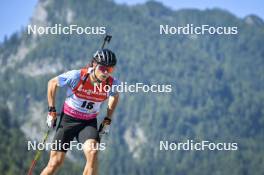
column 38, row 154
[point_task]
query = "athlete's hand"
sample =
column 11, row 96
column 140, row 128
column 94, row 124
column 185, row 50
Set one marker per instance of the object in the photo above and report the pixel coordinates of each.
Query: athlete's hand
column 104, row 127
column 52, row 117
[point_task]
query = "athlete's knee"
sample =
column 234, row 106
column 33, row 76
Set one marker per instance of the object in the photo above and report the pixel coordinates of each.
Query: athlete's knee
column 90, row 148
column 54, row 163
column 56, row 160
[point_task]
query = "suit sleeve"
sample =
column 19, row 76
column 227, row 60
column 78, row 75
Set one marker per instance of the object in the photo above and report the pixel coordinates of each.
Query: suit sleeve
column 69, row 79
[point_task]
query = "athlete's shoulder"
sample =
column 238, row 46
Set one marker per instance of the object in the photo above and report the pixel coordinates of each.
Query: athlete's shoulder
column 69, row 77
column 115, row 81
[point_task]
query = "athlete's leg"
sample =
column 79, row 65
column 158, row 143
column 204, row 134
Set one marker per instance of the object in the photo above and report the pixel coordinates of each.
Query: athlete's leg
column 90, row 151
column 89, row 137
column 55, row 161
column 66, row 130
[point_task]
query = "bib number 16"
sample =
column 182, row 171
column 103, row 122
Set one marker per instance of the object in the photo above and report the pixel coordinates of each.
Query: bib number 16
column 88, row 105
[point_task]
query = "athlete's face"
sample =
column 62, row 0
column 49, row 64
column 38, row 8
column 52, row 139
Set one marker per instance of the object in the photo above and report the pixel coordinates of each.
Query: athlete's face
column 103, row 72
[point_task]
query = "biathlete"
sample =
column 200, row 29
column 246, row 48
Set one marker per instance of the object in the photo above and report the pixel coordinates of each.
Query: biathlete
column 80, row 109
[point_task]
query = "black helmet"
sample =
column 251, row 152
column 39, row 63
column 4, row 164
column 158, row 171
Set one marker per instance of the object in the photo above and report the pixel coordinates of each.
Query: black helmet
column 105, row 57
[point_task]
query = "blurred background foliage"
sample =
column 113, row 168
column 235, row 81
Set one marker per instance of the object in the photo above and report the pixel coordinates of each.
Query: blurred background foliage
column 217, row 88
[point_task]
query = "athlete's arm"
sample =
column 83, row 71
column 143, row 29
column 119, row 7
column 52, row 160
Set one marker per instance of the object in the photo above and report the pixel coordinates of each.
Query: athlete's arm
column 69, row 79
column 52, row 87
column 112, row 103
column 51, row 118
